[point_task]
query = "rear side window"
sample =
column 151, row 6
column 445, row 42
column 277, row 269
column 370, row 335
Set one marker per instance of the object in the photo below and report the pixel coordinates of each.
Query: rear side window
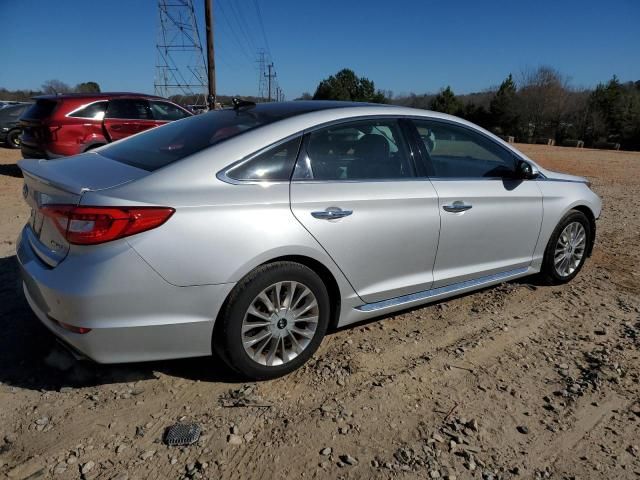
column 176, row 140
column 275, row 164
column 167, row 111
column 43, row 108
column 12, row 112
column 94, row 111
column 364, row 150
column 129, row 109
column 461, row 153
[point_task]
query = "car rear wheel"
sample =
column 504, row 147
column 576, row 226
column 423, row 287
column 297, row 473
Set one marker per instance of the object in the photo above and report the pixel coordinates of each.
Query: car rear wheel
column 13, row 139
column 273, row 320
column 567, row 248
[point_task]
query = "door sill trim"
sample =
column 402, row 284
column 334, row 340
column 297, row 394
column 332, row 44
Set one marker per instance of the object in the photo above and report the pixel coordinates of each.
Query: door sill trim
column 447, row 290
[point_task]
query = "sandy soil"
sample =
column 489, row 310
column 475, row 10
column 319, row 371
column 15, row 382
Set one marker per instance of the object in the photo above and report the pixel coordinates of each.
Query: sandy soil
column 518, row 381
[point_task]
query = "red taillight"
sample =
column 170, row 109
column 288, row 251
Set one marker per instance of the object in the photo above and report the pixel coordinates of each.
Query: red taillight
column 92, row 225
column 71, row 328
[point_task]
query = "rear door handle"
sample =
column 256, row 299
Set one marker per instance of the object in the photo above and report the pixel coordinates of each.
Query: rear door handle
column 331, row 213
column 457, row 207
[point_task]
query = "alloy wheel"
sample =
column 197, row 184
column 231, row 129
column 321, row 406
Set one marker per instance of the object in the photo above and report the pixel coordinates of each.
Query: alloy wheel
column 570, row 249
column 280, row 323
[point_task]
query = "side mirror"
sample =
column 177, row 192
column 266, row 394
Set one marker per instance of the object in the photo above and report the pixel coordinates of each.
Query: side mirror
column 525, row 171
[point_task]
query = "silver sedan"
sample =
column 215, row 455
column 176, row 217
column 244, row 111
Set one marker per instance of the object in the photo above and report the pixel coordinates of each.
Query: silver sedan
column 251, row 231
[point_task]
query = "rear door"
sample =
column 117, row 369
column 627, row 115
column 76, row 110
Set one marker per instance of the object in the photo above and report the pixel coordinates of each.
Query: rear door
column 127, row 116
column 355, row 189
column 490, row 220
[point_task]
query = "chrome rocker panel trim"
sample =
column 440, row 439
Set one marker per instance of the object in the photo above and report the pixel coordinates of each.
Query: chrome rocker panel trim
column 446, row 290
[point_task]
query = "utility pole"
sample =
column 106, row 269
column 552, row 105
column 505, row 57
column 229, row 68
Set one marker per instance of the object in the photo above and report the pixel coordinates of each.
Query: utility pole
column 269, row 77
column 211, row 63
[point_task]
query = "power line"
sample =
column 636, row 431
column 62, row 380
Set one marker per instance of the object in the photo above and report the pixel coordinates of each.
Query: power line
column 243, row 25
column 264, row 34
column 235, row 36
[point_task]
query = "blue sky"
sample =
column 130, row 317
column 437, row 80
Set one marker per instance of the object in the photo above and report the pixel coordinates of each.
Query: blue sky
column 402, row 45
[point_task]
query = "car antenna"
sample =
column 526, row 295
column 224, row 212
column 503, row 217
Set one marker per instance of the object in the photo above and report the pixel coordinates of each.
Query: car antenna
column 238, row 103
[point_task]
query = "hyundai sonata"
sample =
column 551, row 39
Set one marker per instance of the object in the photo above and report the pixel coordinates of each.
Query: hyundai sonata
column 251, row 231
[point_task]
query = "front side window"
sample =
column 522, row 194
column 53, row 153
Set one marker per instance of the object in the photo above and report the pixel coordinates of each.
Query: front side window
column 166, row 111
column 94, row 111
column 129, row 109
column 461, row 153
column 275, row 164
column 363, row 150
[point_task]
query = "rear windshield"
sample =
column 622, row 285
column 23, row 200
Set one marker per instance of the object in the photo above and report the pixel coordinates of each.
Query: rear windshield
column 41, row 109
column 12, row 112
column 161, row 146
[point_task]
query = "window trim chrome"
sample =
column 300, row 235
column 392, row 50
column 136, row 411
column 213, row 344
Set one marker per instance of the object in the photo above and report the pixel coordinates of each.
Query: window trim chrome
column 68, row 115
column 223, row 176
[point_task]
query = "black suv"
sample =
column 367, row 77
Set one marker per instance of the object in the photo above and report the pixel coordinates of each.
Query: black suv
column 10, row 129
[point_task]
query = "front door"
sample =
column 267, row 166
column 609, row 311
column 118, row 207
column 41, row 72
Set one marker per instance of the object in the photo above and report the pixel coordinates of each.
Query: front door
column 355, row 189
column 490, row 220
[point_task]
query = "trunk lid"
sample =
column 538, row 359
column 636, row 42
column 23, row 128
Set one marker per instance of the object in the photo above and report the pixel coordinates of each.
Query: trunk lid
column 48, row 182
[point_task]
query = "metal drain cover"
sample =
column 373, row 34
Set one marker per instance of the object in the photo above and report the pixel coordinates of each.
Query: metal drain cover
column 182, row 434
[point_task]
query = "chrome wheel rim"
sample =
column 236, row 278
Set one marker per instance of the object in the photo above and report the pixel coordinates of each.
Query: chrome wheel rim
column 280, row 323
column 570, row 249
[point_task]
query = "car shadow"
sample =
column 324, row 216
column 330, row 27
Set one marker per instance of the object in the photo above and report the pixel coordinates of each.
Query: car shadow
column 10, row 170
column 32, row 358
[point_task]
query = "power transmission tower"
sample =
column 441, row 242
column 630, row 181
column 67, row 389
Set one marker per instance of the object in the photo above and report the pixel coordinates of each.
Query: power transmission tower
column 270, row 76
column 262, row 73
column 180, row 67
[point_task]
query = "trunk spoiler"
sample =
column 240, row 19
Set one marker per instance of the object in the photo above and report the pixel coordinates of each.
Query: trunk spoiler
column 81, row 173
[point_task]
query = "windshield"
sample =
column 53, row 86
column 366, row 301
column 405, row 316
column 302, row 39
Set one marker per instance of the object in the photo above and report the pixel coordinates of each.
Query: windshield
column 164, row 145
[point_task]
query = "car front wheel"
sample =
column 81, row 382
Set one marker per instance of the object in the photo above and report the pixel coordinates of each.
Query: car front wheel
column 273, row 321
column 567, row 248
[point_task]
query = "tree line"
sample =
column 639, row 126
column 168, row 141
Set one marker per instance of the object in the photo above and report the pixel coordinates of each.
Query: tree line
column 540, row 104
column 50, row 87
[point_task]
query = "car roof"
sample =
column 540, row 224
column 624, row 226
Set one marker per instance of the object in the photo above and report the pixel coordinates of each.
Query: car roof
column 105, row 95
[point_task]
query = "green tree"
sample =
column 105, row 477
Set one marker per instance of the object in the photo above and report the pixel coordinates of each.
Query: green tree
column 446, row 102
column 87, row 87
column 503, row 107
column 615, row 113
column 346, row 85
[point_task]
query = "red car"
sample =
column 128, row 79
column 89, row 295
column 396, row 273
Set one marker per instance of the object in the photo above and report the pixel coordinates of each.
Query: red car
column 61, row 125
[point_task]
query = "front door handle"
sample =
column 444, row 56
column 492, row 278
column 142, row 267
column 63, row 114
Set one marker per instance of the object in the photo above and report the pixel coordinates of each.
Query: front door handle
column 457, row 207
column 331, row 213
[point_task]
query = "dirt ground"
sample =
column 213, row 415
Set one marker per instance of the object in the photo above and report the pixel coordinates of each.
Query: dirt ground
column 518, row 381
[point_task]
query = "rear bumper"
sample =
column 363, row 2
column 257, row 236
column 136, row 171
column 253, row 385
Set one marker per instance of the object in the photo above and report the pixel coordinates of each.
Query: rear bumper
column 31, row 151
column 134, row 315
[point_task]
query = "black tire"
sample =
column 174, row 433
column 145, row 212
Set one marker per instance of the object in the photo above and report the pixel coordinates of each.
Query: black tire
column 227, row 336
column 13, row 138
column 548, row 273
column 93, row 147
